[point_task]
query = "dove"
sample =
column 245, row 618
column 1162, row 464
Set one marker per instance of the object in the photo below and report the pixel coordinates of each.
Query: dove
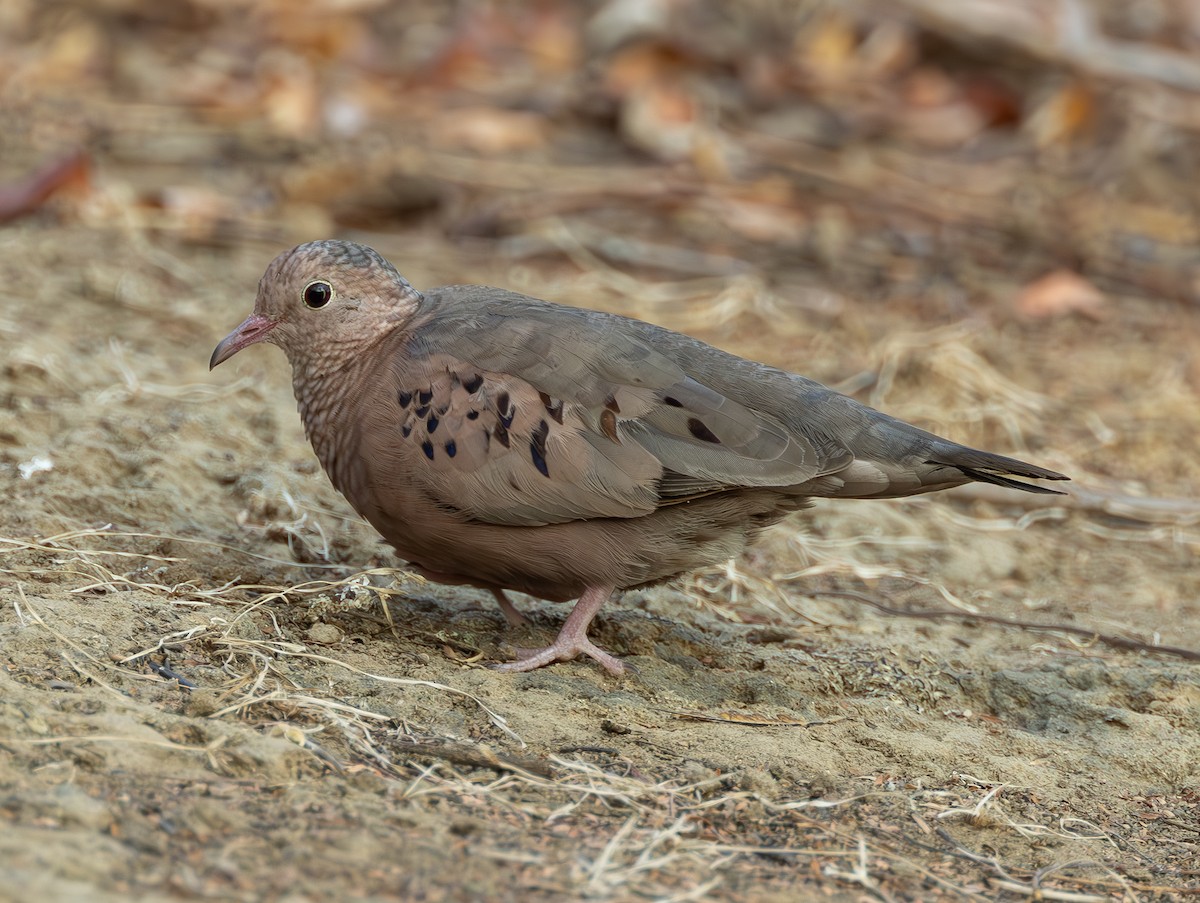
column 507, row 443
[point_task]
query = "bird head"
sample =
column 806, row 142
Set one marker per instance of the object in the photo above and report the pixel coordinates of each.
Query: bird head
column 321, row 302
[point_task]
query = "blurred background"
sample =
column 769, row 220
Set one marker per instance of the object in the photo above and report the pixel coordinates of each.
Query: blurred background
column 800, row 166
column 944, row 155
column 979, row 215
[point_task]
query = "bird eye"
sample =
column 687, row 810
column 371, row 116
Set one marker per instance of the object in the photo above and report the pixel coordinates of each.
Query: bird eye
column 317, row 294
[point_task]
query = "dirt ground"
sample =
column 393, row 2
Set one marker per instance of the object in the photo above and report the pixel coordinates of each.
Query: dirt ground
column 216, row 682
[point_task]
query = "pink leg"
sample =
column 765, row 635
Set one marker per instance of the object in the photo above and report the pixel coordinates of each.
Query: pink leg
column 572, row 640
column 514, row 617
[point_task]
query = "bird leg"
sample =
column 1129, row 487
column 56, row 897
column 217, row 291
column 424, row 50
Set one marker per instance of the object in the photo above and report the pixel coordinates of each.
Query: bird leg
column 572, row 641
column 515, row 618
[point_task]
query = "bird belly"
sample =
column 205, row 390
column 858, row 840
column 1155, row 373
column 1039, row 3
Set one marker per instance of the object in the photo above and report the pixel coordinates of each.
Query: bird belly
column 559, row 561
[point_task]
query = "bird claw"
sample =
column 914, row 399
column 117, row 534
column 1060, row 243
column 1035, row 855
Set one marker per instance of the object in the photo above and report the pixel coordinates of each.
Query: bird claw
column 563, row 649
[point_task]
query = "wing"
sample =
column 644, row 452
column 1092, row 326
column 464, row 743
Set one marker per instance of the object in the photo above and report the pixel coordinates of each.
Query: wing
column 540, row 414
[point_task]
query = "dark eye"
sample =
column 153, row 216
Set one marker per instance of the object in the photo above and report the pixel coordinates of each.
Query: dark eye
column 317, row 294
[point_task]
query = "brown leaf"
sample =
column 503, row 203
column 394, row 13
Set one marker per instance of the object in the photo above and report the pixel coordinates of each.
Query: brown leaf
column 828, row 50
column 1059, row 293
column 28, row 194
column 663, row 119
column 996, row 102
column 553, row 41
column 764, row 221
column 1064, row 116
column 646, row 63
column 290, row 98
column 487, row 130
column 938, row 113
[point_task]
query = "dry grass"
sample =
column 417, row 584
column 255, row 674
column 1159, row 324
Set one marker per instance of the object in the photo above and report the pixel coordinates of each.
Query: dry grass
column 630, row 833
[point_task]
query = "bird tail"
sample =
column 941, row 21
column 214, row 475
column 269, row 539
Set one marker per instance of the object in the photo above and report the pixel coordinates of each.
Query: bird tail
column 999, row 470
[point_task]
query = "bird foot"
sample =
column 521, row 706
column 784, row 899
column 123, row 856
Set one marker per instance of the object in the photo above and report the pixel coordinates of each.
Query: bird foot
column 562, row 649
column 572, row 641
column 514, row 618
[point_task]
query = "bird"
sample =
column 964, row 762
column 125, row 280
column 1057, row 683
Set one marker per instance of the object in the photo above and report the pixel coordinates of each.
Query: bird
column 507, row 443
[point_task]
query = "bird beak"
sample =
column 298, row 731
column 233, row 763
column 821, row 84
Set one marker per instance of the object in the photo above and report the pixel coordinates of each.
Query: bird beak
column 252, row 329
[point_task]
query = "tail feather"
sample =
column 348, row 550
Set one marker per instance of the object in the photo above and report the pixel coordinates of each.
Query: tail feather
column 890, row 458
column 984, row 467
column 982, row 476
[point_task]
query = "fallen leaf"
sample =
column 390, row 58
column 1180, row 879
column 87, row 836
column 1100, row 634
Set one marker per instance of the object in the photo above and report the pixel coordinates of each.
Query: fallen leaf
column 1064, row 116
column 28, row 194
column 487, row 130
column 553, row 42
column 937, row 112
column 646, row 63
column 828, row 50
column 764, row 222
column 996, row 103
column 664, row 120
column 1059, row 293
column 290, row 99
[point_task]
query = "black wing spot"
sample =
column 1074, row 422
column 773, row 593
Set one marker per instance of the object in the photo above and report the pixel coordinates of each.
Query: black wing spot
column 539, row 460
column 554, row 407
column 608, row 425
column 406, row 430
column 670, row 401
column 425, row 396
column 427, row 447
column 501, row 434
column 472, row 415
column 473, row 384
column 421, row 411
column 537, row 447
column 431, row 424
column 451, row 448
column 504, row 410
column 697, row 428
column 404, row 398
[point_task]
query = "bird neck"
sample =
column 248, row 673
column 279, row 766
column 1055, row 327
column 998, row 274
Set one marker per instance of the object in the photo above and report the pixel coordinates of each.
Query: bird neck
column 327, row 403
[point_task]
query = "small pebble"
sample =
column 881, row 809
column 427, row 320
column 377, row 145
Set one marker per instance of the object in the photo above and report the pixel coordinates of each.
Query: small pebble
column 324, row 634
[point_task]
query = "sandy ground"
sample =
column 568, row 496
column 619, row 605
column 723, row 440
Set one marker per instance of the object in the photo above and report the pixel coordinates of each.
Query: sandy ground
column 216, row 685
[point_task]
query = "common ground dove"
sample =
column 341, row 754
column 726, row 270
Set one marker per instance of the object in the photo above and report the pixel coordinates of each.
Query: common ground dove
column 508, row 443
